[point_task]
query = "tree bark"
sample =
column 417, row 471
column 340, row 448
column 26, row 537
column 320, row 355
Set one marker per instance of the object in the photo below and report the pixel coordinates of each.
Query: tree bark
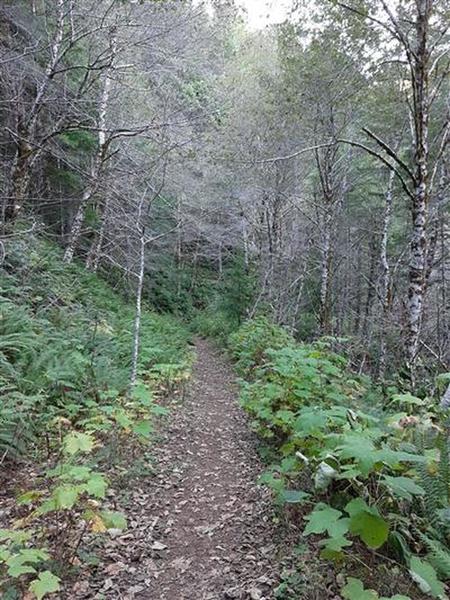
column 385, row 291
column 418, row 246
column 138, row 315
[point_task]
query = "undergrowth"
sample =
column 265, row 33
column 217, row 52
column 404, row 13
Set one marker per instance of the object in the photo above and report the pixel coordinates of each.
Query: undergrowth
column 367, row 473
column 65, row 357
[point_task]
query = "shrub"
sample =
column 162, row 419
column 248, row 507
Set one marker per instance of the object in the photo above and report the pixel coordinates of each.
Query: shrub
column 370, row 472
column 248, row 345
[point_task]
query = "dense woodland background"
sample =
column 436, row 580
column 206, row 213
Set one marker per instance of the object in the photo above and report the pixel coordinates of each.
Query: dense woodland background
column 219, row 175
column 308, row 161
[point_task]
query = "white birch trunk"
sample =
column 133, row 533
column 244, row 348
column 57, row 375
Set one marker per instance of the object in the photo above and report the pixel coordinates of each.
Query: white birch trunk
column 418, row 243
column 325, row 277
column 385, row 291
column 138, row 315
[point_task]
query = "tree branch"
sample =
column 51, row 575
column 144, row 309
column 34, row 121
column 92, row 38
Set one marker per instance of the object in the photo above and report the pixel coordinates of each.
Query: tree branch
column 390, row 152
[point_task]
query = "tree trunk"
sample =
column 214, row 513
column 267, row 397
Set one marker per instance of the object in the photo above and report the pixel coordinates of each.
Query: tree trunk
column 325, row 280
column 77, row 225
column 385, row 291
column 418, row 244
column 93, row 259
column 138, row 315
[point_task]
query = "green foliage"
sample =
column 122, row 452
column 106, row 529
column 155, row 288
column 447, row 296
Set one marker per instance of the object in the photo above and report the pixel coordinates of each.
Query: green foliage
column 354, row 590
column 229, row 302
column 382, row 465
column 65, row 342
column 248, row 345
column 65, row 351
column 46, row 583
column 426, row 578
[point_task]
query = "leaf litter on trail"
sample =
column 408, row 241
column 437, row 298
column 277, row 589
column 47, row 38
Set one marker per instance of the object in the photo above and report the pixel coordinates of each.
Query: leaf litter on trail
column 200, row 528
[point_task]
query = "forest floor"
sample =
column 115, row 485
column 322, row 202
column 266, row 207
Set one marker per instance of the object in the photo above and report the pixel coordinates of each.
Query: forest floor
column 200, row 527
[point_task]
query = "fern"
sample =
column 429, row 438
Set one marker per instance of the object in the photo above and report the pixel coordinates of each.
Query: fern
column 438, row 556
column 444, row 466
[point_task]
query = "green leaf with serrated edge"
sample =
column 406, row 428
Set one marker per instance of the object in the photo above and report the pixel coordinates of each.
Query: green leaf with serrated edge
column 34, row 555
column 322, row 519
column 29, row 497
column 142, row 394
column 20, row 569
column 47, row 507
column 113, row 519
column 143, row 428
column 366, row 522
column 14, row 536
column 408, row 399
column 336, row 544
column 358, row 505
column 78, row 442
column 354, row 590
column 358, row 447
column 96, row 485
column 426, row 578
column 46, row 583
column 66, row 496
column 4, row 555
column 78, row 473
column 271, row 481
column 158, row 410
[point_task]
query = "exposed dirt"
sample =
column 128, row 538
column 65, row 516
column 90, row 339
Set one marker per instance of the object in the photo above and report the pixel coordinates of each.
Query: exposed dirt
column 201, row 529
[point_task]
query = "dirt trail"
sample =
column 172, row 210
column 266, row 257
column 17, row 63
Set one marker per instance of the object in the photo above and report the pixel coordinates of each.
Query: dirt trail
column 218, row 533
column 201, row 529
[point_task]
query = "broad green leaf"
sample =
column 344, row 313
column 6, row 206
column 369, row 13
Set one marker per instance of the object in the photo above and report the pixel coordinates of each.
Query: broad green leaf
column 372, row 529
column 96, row 485
column 395, row 457
column 358, row 505
column 143, row 428
column 336, row 544
column 294, row 496
column 310, row 421
column 354, row 590
column 324, row 518
column 14, row 536
column 271, row 481
column 142, row 394
column 29, row 497
column 78, row 473
column 46, row 583
column 66, row 496
column 113, row 519
column 16, row 570
column 158, row 410
column 78, row 442
column 34, row 555
column 366, row 522
column 426, row 578
column 360, row 448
